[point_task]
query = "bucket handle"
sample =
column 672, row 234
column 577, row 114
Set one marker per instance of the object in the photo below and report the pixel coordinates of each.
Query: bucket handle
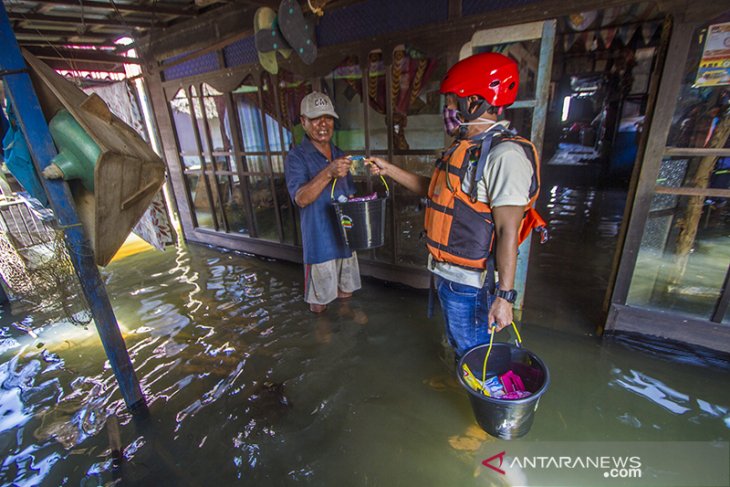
column 387, row 189
column 518, row 342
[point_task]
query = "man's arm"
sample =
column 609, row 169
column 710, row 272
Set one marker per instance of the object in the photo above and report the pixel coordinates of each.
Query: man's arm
column 412, row 181
column 306, row 194
column 506, row 227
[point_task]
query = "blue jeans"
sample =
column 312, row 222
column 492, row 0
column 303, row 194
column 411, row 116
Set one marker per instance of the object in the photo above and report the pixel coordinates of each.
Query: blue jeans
column 466, row 311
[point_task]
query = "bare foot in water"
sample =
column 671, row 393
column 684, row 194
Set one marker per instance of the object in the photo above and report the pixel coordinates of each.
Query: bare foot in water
column 317, row 308
column 343, row 295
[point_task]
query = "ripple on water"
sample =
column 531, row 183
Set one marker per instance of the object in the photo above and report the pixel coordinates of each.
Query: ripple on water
column 243, row 382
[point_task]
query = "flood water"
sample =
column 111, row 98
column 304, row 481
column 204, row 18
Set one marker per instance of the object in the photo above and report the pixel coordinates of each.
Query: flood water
column 246, row 387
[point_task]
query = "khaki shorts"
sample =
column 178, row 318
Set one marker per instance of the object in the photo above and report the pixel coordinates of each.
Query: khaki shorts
column 321, row 281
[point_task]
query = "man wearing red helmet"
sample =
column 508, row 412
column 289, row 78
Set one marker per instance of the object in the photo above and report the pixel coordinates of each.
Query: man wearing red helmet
column 473, row 227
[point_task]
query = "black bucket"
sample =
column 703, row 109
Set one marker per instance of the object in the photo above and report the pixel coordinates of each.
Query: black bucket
column 362, row 222
column 506, row 418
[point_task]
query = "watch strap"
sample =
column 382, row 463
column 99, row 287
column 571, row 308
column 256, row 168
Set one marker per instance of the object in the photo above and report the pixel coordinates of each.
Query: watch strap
column 509, row 295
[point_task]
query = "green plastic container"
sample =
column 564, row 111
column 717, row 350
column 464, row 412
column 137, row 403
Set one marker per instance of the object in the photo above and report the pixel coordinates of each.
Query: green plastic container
column 77, row 152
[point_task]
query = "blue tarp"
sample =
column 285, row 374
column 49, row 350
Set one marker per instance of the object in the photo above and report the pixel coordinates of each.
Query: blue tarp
column 18, row 160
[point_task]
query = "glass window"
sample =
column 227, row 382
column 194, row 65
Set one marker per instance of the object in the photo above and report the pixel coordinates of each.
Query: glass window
column 218, row 193
column 223, row 163
column 273, row 130
column 344, row 87
column 520, row 119
column 192, row 162
column 409, row 214
column 704, row 96
column 262, row 201
column 417, row 103
column 233, row 204
column 216, row 116
column 684, row 256
column 377, row 124
column 246, row 100
column 286, row 211
column 277, row 164
column 197, row 102
column 200, row 199
column 292, row 88
column 183, row 123
column 256, row 164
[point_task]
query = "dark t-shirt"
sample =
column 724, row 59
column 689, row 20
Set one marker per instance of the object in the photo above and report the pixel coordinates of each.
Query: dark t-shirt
column 321, row 237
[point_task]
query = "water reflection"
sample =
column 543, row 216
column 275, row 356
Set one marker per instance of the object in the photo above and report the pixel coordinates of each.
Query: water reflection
column 668, row 398
column 244, row 384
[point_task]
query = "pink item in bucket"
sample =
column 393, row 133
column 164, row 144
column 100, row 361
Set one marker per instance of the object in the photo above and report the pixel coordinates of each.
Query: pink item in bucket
column 515, row 395
column 369, row 197
column 511, row 382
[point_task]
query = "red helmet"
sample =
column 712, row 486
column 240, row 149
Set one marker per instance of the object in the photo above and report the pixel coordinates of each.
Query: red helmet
column 492, row 76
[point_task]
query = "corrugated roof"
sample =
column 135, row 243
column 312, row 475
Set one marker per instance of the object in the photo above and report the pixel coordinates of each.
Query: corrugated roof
column 81, row 34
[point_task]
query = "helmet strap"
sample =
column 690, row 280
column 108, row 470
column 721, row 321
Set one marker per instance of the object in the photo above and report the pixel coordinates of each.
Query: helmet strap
column 465, row 108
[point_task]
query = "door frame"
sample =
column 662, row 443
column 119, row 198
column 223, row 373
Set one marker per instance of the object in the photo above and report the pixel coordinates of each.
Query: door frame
column 545, row 31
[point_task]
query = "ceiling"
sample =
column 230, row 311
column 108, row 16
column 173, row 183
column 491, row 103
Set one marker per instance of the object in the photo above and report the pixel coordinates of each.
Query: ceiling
column 81, row 34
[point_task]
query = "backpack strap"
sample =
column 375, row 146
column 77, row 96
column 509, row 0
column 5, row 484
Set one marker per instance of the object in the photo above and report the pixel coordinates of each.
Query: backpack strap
column 486, row 139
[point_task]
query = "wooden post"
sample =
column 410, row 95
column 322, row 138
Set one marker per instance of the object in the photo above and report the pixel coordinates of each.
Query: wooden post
column 35, row 129
column 3, row 295
column 690, row 221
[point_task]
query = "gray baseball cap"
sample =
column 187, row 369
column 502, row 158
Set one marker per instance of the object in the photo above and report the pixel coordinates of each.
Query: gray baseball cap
column 316, row 104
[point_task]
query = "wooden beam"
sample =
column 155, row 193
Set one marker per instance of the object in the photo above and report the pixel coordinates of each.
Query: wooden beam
column 685, row 191
column 154, row 8
column 42, row 33
column 73, row 65
column 213, row 47
column 670, row 325
column 86, row 55
column 696, row 152
column 222, row 23
column 125, row 26
column 61, row 44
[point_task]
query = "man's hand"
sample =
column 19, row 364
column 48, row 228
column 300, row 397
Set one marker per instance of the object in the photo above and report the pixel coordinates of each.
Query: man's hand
column 500, row 313
column 339, row 167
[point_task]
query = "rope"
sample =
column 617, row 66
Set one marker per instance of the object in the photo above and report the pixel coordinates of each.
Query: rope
column 492, row 332
column 385, row 183
column 319, row 11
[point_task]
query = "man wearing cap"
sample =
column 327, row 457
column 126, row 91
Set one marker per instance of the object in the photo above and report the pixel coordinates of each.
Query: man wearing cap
column 331, row 270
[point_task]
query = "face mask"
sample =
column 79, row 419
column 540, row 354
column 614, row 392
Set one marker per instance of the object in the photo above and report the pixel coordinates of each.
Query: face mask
column 452, row 121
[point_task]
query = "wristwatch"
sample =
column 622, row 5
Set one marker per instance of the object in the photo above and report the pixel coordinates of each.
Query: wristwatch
column 509, row 296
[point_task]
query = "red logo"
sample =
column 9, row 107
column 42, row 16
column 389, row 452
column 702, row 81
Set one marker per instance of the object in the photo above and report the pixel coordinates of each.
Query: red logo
column 498, row 469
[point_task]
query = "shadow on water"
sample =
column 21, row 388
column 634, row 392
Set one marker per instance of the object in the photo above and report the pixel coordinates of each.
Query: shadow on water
column 246, row 386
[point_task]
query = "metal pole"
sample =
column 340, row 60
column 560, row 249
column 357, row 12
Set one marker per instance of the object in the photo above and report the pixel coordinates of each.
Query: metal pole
column 35, row 129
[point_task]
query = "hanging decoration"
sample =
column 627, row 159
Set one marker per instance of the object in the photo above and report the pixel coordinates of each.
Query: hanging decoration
column 568, row 40
column 648, row 29
column 607, row 36
column 610, row 15
column 626, row 33
column 582, row 20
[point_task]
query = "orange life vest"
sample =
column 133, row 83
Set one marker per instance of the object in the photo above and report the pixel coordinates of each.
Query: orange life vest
column 459, row 229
